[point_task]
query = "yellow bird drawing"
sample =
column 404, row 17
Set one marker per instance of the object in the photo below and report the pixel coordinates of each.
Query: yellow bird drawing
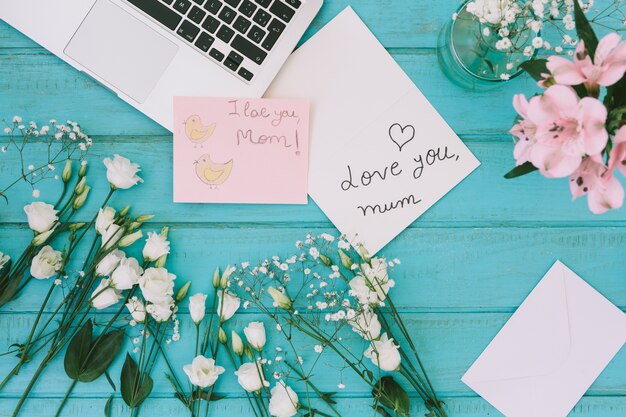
column 212, row 173
column 197, row 132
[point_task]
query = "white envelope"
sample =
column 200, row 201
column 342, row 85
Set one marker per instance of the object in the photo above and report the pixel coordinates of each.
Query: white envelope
column 369, row 119
column 551, row 350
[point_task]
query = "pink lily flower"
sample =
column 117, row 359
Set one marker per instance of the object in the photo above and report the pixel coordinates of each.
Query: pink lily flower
column 593, row 178
column 558, row 130
column 607, row 68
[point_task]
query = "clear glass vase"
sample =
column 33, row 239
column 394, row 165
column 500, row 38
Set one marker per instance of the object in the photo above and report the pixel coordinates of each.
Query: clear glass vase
column 468, row 55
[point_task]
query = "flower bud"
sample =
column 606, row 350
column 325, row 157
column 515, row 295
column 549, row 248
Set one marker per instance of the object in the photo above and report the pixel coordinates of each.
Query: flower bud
column 237, row 343
column 76, row 226
column 248, row 351
column 80, row 187
column 346, row 261
column 160, row 263
column 364, row 253
column 124, row 211
column 280, row 299
column 182, row 293
column 222, row 336
column 134, row 225
column 144, row 218
column 41, row 238
column 79, row 200
column 67, row 171
column 83, row 169
column 130, row 239
column 326, row 260
column 216, row 277
column 226, row 277
column 164, row 232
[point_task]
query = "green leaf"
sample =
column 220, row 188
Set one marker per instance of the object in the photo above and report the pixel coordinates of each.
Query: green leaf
column 134, row 390
column 78, row 350
column 107, row 407
column 110, row 380
column 584, row 30
column 535, row 68
column 369, row 374
column 102, row 353
column 381, row 411
column 391, row 395
column 214, row 397
column 518, row 171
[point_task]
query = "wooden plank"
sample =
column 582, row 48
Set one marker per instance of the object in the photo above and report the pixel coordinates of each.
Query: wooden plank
column 42, row 86
column 443, row 269
column 484, row 198
column 435, row 334
column 458, row 407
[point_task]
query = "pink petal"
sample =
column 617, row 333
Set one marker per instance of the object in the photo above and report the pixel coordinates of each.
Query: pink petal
column 612, row 74
column 521, row 152
column 606, row 197
column 564, row 71
column 520, row 104
column 563, row 97
column 617, row 156
column 606, row 45
column 592, row 118
column 553, row 163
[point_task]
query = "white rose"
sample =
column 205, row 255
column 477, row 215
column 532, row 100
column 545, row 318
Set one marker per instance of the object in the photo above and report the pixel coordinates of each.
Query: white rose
column 250, row 377
column 137, row 309
column 157, row 285
column 121, row 173
column 229, row 307
column 156, row 246
column 41, row 216
column 283, row 401
column 161, row 311
column 3, row 260
column 105, row 219
column 197, row 307
column 126, row 274
column 111, row 236
column 366, row 324
column 46, row 263
column 255, row 334
column 104, row 295
column 108, row 264
column 384, row 353
column 203, row 372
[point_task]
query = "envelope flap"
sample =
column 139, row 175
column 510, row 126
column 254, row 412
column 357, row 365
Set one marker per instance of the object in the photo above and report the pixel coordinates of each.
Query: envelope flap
column 536, row 340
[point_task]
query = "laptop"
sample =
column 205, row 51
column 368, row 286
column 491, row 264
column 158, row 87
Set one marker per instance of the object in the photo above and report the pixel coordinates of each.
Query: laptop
column 148, row 51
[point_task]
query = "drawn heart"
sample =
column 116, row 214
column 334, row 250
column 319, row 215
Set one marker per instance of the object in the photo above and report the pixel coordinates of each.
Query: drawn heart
column 401, row 135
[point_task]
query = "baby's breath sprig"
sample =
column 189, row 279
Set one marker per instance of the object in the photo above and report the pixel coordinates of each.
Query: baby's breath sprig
column 61, row 142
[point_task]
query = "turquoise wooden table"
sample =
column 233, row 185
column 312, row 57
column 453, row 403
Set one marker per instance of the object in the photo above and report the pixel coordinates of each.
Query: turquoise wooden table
column 466, row 264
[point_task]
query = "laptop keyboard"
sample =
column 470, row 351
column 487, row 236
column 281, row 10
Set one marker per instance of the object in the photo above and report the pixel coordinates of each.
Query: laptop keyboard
column 238, row 34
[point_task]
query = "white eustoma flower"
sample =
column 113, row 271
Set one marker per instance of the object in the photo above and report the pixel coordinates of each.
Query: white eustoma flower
column 384, row 353
column 41, row 216
column 156, row 246
column 228, row 305
column 157, row 285
column 46, row 263
column 126, row 274
column 197, row 307
column 111, row 236
column 105, row 295
column 121, row 173
column 161, row 311
column 105, row 218
column 250, row 377
column 137, row 309
column 3, row 260
column 108, row 264
column 372, row 283
column 255, row 334
column 283, row 401
column 203, row 372
column 366, row 324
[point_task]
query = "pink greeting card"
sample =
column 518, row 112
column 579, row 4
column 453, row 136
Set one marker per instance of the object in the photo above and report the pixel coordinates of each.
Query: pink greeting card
column 234, row 150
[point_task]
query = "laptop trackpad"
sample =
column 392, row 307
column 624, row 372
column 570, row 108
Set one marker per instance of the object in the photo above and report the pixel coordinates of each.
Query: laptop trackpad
column 121, row 50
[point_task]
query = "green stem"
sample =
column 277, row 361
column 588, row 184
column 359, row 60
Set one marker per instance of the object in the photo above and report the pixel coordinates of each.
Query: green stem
column 67, row 395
